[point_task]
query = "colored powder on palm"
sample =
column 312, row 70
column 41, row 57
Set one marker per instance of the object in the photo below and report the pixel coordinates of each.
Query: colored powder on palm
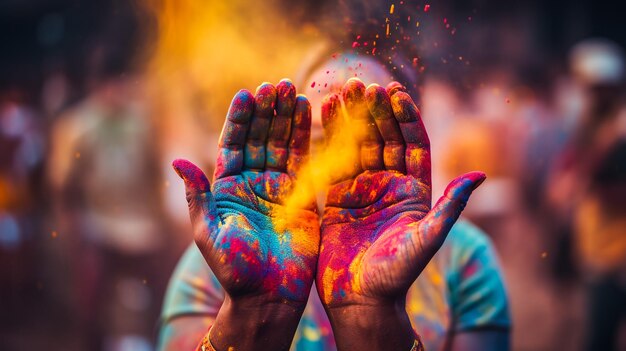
column 338, row 160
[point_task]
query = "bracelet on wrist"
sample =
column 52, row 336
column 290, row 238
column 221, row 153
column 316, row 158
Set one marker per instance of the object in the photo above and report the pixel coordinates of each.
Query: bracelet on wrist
column 417, row 344
column 205, row 343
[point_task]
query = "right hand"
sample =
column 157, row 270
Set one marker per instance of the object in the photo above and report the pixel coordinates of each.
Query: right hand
column 378, row 229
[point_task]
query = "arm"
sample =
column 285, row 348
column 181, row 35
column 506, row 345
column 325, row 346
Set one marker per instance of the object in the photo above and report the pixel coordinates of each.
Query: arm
column 378, row 229
column 266, row 270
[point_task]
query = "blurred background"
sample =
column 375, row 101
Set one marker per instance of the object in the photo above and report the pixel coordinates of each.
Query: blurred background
column 98, row 97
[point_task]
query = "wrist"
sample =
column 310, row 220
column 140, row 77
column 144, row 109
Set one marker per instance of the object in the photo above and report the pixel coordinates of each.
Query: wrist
column 244, row 324
column 377, row 326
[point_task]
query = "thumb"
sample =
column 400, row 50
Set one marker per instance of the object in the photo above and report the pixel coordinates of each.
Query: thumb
column 202, row 210
column 435, row 226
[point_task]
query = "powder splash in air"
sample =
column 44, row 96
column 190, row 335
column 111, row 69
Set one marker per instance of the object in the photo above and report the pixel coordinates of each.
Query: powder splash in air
column 338, row 159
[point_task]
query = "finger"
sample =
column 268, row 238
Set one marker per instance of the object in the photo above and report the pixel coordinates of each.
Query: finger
column 264, row 104
column 395, row 87
column 368, row 139
column 435, row 226
column 417, row 154
column 339, row 145
column 280, row 129
column 379, row 104
column 232, row 140
column 300, row 135
column 202, row 210
column 331, row 116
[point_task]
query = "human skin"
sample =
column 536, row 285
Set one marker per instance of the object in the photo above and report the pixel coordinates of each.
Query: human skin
column 266, row 271
column 378, row 229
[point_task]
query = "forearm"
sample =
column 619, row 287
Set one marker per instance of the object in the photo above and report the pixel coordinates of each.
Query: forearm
column 250, row 324
column 381, row 326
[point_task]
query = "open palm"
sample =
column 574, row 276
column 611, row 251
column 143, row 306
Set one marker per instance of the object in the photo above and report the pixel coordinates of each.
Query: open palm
column 237, row 223
column 378, row 228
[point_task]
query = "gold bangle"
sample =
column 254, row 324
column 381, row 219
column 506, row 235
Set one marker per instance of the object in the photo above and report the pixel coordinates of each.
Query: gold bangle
column 205, row 344
column 417, row 345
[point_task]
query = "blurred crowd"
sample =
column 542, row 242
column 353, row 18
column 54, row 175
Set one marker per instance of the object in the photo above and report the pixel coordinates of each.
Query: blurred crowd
column 97, row 99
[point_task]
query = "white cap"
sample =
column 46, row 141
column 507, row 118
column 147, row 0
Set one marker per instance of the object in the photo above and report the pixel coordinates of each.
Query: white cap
column 597, row 62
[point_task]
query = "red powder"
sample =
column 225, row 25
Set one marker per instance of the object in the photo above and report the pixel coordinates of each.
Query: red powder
column 313, row 85
column 426, row 7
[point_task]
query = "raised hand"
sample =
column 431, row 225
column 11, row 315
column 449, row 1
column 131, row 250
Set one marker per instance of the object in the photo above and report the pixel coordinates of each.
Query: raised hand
column 378, row 229
column 265, row 264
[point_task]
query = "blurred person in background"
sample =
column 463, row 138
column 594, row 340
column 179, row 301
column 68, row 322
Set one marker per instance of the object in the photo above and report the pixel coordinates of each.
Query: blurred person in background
column 21, row 219
column 588, row 186
column 477, row 138
column 107, row 195
column 458, row 303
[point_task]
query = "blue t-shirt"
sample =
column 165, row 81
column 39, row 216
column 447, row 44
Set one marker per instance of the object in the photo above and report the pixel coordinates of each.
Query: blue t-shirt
column 460, row 289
